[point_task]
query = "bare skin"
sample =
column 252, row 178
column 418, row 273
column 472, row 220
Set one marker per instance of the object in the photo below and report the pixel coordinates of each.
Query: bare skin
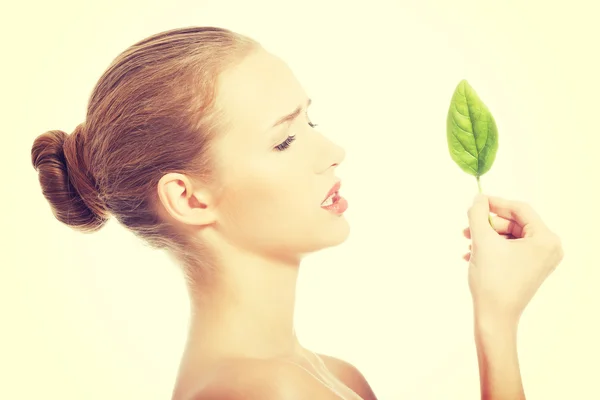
column 262, row 223
column 266, row 218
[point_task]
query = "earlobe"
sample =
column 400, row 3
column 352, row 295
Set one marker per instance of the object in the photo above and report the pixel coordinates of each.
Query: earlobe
column 183, row 202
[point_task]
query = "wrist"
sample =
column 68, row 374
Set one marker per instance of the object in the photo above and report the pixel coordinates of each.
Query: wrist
column 487, row 320
column 495, row 317
column 489, row 325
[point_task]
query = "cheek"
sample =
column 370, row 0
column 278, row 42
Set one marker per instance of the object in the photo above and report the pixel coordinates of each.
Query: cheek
column 251, row 200
column 259, row 186
column 265, row 207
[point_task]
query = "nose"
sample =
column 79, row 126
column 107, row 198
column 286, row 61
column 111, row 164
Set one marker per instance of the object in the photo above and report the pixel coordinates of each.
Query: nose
column 340, row 154
column 335, row 154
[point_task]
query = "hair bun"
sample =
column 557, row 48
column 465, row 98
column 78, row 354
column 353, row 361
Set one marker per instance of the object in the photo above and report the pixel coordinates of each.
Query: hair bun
column 66, row 183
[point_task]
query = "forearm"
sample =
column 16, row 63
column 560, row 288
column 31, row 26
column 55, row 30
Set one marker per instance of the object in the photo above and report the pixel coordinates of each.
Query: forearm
column 499, row 373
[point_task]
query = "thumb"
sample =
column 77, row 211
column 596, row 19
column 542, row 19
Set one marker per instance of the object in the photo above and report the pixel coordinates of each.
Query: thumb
column 478, row 216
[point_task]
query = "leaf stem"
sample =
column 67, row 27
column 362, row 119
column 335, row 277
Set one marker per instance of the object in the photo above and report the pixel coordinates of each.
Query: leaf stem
column 479, row 187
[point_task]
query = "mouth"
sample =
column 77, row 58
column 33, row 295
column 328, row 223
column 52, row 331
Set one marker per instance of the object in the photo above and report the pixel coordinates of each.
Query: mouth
column 332, row 195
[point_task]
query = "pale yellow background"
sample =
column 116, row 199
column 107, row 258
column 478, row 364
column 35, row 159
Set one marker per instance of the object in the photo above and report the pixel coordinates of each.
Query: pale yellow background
column 102, row 317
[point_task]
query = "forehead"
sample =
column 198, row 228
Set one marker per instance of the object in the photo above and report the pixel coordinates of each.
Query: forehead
column 259, row 90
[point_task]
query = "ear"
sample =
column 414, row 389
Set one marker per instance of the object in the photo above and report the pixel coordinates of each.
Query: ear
column 184, row 202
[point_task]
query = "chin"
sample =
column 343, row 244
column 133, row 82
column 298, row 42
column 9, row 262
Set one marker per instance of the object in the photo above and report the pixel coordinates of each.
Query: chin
column 336, row 232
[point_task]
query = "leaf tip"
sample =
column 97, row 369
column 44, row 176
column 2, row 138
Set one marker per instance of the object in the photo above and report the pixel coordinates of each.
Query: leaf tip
column 464, row 83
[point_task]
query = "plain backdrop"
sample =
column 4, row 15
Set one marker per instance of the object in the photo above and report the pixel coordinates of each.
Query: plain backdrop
column 103, row 317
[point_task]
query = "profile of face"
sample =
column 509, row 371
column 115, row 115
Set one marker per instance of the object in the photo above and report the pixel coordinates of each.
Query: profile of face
column 274, row 176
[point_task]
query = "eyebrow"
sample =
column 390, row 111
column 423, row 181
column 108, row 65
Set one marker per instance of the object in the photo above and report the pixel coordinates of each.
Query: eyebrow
column 292, row 115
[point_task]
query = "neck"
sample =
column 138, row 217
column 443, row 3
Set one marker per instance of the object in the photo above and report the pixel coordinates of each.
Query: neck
column 248, row 313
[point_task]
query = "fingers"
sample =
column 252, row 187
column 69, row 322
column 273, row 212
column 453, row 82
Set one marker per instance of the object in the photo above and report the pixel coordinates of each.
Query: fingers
column 502, row 226
column 520, row 212
column 478, row 216
column 467, row 256
column 513, row 217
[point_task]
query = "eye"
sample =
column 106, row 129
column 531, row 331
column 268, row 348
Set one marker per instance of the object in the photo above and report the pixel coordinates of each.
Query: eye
column 286, row 143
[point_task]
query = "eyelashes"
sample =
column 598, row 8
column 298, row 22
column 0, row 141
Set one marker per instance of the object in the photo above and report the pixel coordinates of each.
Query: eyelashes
column 288, row 141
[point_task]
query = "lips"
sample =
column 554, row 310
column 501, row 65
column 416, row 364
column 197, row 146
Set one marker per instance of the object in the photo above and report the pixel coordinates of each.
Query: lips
column 333, row 190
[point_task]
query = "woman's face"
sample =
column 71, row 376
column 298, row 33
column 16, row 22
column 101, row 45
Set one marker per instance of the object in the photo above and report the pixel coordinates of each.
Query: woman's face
column 271, row 199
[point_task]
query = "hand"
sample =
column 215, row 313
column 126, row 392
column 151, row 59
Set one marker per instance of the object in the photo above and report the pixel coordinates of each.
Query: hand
column 509, row 262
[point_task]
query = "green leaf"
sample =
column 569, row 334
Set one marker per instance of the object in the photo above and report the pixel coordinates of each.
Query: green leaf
column 471, row 131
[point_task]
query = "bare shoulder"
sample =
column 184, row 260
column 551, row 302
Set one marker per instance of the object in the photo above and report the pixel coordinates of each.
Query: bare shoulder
column 262, row 380
column 349, row 375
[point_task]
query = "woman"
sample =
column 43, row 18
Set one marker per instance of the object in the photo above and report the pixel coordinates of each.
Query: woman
column 199, row 141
